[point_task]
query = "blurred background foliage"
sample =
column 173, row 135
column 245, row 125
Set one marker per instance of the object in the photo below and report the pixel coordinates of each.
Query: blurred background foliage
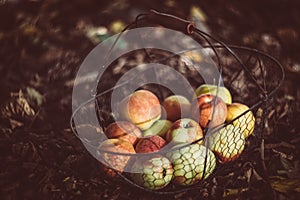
column 42, row 44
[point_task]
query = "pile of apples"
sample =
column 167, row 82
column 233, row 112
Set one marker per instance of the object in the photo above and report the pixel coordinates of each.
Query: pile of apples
column 185, row 151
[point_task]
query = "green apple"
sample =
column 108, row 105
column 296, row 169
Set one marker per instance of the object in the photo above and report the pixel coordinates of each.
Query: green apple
column 159, row 128
column 152, row 172
column 223, row 92
column 245, row 122
column 227, row 143
column 184, row 131
column 176, row 107
column 189, row 163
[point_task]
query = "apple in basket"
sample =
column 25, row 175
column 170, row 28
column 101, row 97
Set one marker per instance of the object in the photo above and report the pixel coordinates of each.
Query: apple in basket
column 191, row 163
column 176, row 107
column 141, row 108
column 115, row 160
column 227, row 143
column 245, row 122
column 208, row 108
column 150, row 144
column 153, row 173
column 123, row 130
column 223, row 92
column 184, row 131
column 108, row 171
column 159, row 128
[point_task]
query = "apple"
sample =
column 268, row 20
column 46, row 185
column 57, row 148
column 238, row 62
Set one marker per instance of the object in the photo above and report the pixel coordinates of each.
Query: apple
column 116, row 161
column 107, row 171
column 227, row 143
column 245, row 122
column 191, row 163
column 176, row 107
column 160, row 128
column 152, row 173
column 141, row 108
column 184, row 131
column 150, row 144
column 223, row 92
column 123, row 130
column 208, row 108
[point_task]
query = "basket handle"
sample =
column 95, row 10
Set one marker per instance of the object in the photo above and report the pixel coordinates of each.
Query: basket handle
column 172, row 22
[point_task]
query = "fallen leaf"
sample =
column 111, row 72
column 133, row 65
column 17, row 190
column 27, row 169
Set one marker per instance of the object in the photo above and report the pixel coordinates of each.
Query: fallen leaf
column 117, row 26
column 34, row 95
column 97, row 34
column 234, row 192
column 284, row 185
column 197, row 13
column 17, row 110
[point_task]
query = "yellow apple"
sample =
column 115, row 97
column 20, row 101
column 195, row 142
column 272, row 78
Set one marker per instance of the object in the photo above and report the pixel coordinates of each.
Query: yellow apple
column 245, row 122
column 227, row 143
column 223, row 92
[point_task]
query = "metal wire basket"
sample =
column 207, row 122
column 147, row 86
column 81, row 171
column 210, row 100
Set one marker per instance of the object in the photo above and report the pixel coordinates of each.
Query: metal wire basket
column 252, row 76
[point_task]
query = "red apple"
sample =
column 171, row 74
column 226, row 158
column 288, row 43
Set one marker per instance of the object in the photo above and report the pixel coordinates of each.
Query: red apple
column 176, row 107
column 107, row 171
column 184, row 131
column 141, row 108
column 116, row 161
column 208, row 108
column 123, row 130
column 150, row 144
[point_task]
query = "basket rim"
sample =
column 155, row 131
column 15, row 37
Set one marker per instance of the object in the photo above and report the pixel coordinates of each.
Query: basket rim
column 248, row 49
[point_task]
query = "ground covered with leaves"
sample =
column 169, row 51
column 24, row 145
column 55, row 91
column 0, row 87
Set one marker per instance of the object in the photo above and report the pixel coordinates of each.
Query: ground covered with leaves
column 42, row 44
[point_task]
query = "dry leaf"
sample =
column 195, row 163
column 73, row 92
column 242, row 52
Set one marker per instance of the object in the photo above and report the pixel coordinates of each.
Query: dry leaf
column 234, row 192
column 17, row 110
column 284, row 185
column 34, row 95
